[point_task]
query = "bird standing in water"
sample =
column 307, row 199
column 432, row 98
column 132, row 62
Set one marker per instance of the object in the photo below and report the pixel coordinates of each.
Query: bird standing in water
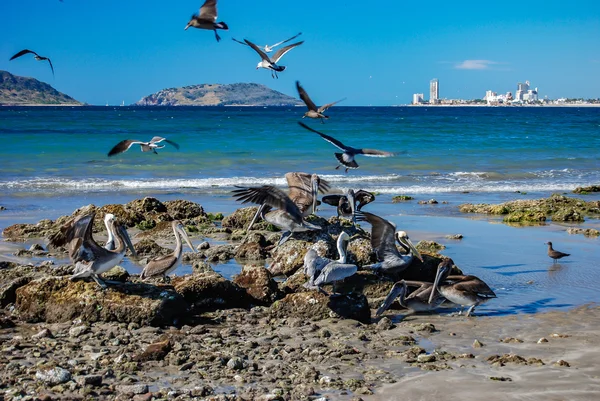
column 554, row 254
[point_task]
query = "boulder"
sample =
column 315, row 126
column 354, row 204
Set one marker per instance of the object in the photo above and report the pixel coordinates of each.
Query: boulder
column 312, row 305
column 289, row 257
column 184, row 210
column 251, row 251
column 241, row 218
column 258, row 283
column 220, row 253
column 58, row 299
column 210, row 291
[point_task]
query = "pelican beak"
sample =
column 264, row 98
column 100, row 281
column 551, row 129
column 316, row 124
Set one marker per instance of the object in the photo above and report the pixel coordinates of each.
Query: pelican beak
column 127, row 240
column 315, row 193
column 398, row 290
column 187, row 239
column 414, row 250
column 258, row 212
column 435, row 284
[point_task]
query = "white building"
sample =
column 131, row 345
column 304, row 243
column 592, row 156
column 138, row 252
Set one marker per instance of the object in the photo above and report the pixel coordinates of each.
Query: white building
column 418, row 98
column 434, row 91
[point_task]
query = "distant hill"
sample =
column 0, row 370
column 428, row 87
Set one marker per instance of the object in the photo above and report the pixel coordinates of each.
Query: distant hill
column 15, row 91
column 240, row 94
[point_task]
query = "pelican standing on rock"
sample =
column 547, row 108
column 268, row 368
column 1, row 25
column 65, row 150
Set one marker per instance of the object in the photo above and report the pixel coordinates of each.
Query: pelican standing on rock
column 164, row 265
column 270, row 63
column 36, row 56
column 90, row 258
column 207, row 19
column 321, row 271
column 349, row 203
column 417, row 301
column 313, row 110
column 554, row 254
column 346, row 158
column 151, row 146
column 461, row 290
column 383, row 241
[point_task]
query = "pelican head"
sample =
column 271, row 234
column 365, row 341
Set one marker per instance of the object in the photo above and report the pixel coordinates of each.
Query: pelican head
column 442, row 271
column 178, row 227
column 402, row 238
column 398, row 290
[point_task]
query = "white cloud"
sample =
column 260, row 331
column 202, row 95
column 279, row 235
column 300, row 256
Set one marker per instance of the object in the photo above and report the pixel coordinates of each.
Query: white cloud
column 475, row 65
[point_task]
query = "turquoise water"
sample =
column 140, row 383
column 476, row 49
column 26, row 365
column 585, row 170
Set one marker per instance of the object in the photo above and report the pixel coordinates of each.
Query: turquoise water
column 440, row 149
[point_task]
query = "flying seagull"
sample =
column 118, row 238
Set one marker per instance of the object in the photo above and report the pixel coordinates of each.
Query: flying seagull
column 267, row 48
column 207, row 19
column 36, row 56
column 151, row 146
column 313, row 110
column 346, row 158
column 270, row 63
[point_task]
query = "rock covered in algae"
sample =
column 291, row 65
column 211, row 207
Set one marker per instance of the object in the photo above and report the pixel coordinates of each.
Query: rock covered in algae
column 313, row 305
column 258, row 283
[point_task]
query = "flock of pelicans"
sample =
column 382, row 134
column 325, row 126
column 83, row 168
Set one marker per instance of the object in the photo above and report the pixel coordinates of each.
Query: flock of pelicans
column 288, row 211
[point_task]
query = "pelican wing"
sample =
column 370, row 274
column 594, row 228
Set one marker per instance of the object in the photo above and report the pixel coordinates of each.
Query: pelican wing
column 22, row 52
column 328, row 138
column 158, row 266
column 208, row 11
column 287, row 40
column 123, row 146
column 335, row 271
column 301, row 192
column 333, row 200
column 270, row 195
column 305, row 98
column 382, row 235
column 476, row 286
column 262, row 54
column 281, row 52
column 363, row 198
column 158, row 139
column 79, row 237
column 376, row 153
column 328, row 105
column 397, row 290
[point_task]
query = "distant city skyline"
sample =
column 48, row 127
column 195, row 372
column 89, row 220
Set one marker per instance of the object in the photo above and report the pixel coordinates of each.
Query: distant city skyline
column 118, row 51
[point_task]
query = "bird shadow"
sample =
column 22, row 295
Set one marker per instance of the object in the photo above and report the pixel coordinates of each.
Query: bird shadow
column 502, row 266
column 512, row 274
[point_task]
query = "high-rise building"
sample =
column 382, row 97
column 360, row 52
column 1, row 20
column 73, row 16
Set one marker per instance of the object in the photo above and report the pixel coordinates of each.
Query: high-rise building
column 523, row 87
column 418, row 98
column 434, row 91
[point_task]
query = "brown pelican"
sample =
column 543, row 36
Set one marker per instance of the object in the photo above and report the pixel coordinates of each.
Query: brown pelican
column 287, row 217
column 383, row 241
column 417, row 301
column 164, row 265
column 350, row 203
column 313, row 110
column 90, row 258
column 207, row 19
column 270, row 63
column 151, row 146
column 461, row 290
column 321, row 271
column 554, row 254
column 267, row 48
column 36, row 56
column 346, row 158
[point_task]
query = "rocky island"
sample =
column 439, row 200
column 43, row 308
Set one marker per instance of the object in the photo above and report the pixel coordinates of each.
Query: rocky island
column 240, row 94
column 24, row 91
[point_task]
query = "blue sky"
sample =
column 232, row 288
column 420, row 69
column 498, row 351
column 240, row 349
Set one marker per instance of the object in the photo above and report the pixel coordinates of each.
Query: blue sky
column 114, row 50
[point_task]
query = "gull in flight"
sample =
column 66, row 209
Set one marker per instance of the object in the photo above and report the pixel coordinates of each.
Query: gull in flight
column 270, row 63
column 346, row 158
column 36, row 56
column 207, row 19
column 313, row 110
column 151, row 146
column 267, row 48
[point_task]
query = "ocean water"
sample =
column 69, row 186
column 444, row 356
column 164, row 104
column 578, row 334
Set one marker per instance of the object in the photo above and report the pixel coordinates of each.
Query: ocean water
column 54, row 160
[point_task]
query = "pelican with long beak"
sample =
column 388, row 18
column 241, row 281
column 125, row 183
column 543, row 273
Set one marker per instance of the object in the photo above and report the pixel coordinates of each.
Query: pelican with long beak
column 349, row 203
column 461, row 290
column 91, row 259
column 383, row 241
column 321, row 271
column 417, row 300
column 164, row 265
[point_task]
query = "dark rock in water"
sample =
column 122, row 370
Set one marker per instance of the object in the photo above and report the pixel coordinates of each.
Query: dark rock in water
column 57, row 299
column 202, row 266
column 588, row 232
column 7, row 265
column 203, row 246
column 313, row 305
column 258, row 283
column 154, row 352
column 568, row 214
column 251, row 251
column 586, row 190
column 210, row 291
column 429, row 246
column 148, row 247
column 220, row 253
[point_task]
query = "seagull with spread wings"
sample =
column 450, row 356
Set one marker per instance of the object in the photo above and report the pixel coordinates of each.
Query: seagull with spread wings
column 270, row 63
column 151, row 146
column 346, row 158
column 207, row 19
column 313, row 110
column 36, row 56
column 267, row 48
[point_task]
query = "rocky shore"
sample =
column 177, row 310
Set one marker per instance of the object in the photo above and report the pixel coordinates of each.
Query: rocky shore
column 259, row 336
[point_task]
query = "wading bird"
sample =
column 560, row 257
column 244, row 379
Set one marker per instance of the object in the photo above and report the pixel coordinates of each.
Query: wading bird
column 207, row 19
column 554, row 254
column 383, row 241
column 313, row 110
column 461, row 290
column 164, row 265
column 36, row 56
column 270, row 63
column 417, row 300
column 267, row 48
column 151, row 146
column 346, row 158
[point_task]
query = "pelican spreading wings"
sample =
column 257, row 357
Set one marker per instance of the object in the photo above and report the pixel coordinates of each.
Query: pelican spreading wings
column 151, row 146
column 36, row 56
